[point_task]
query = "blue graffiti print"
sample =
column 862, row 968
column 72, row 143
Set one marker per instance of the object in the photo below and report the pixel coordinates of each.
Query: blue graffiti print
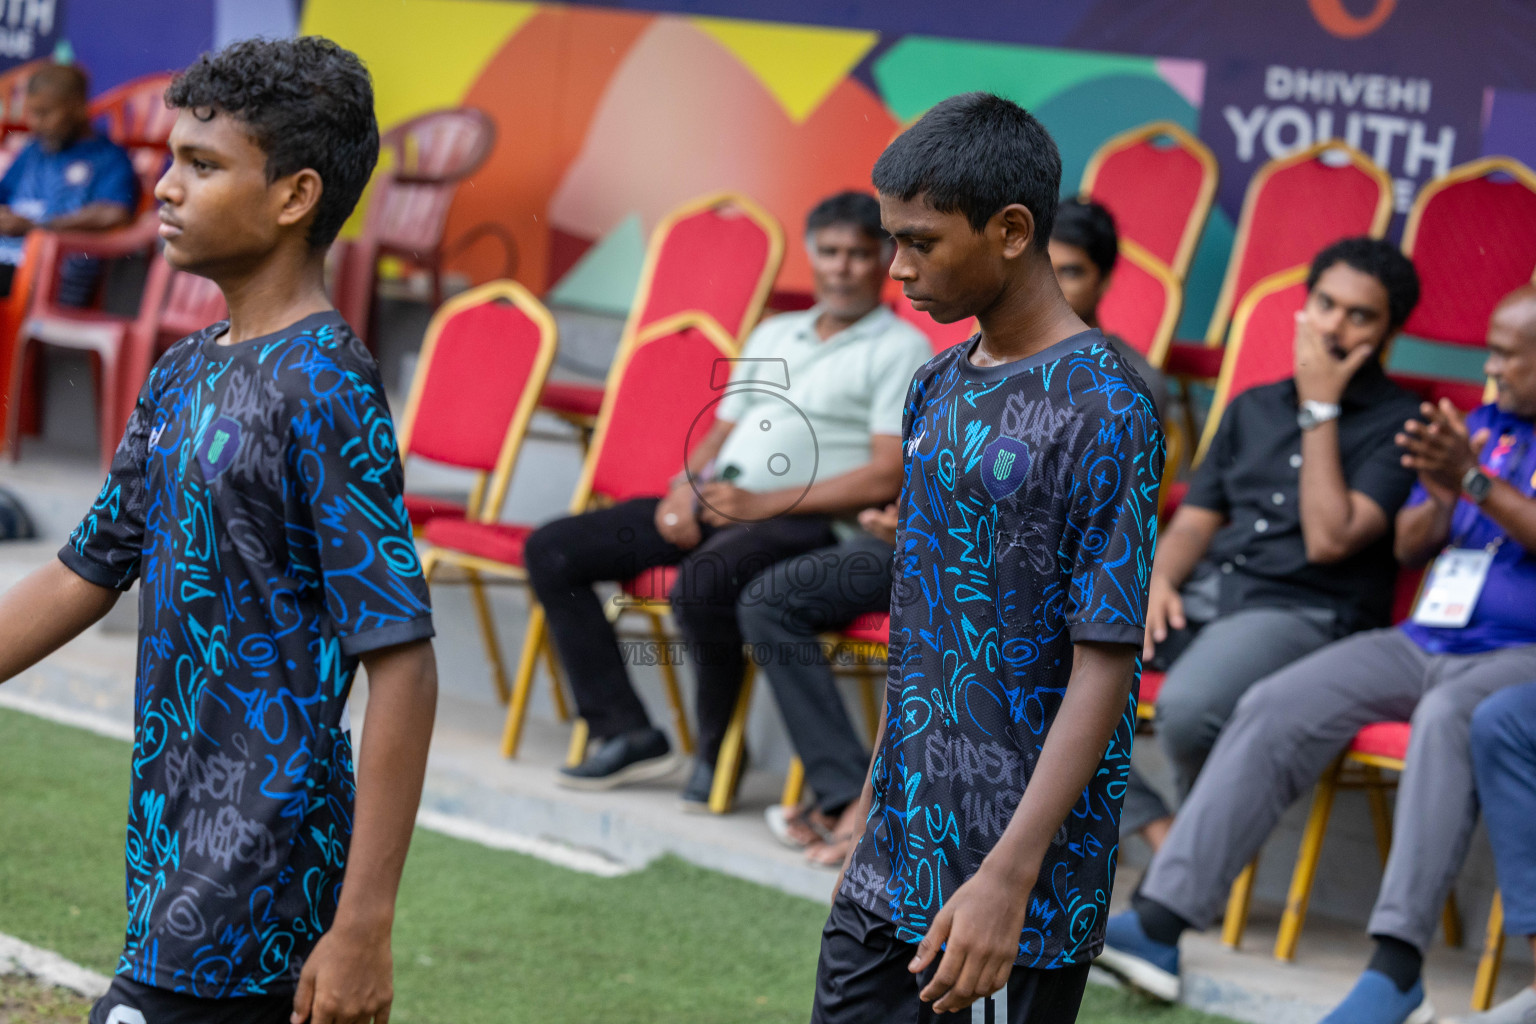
column 257, row 498
column 1028, row 521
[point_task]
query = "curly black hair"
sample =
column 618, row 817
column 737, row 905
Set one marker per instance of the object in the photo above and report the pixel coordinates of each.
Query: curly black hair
column 975, row 154
column 306, row 102
column 1383, row 261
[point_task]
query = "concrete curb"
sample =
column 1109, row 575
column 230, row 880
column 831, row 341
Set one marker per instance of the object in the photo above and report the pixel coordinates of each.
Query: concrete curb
column 17, row 957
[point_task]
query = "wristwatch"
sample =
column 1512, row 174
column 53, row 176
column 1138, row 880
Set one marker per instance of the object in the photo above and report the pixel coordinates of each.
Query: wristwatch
column 1476, row 484
column 1315, row 414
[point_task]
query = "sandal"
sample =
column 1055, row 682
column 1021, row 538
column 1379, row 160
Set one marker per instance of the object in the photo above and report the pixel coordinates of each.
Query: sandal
column 795, row 828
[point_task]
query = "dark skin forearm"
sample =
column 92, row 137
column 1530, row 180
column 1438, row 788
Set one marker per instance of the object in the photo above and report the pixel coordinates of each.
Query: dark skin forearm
column 1422, row 530
column 976, row 934
column 877, row 482
column 92, row 217
column 1181, row 546
column 349, row 975
column 47, row 609
column 1335, row 521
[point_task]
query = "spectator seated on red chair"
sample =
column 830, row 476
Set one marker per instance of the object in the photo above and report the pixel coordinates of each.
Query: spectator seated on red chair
column 67, row 178
column 1472, row 633
column 1084, row 247
column 1283, row 543
column 808, row 432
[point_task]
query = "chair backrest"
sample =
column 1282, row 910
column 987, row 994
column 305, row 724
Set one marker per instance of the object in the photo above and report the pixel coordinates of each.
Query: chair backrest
column 1472, row 236
column 484, row 360
column 191, row 303
column 1261, row 349
column 432, row 153
column 940, row 336
column 1158, row 181
column 718, row 255
column 1295, row 206
column 658, row 403
column 1143, row 302
column 135, row 117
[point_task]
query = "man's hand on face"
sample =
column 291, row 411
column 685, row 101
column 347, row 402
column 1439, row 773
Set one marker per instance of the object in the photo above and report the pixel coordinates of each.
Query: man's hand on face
column 976, row 938
column 723, row 504
column 13, row 223
column 1440, row 450
column 1321, row 374
column 676, row 520
column 881, row 522
column 348, row 979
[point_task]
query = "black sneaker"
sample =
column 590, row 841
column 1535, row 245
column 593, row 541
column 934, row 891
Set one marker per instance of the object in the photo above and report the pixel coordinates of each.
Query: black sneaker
column 619, row 760
column 700, row 783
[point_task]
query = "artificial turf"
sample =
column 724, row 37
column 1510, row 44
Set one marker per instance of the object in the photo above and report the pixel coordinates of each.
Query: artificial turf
column 481, row 935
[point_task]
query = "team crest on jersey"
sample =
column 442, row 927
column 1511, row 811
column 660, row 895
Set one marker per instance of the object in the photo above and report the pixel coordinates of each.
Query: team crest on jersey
column 220, row 446
column 1004, row 464
column 77, row 173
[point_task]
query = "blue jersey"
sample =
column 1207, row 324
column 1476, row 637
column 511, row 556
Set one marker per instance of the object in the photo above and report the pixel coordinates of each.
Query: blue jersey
column 1504, row 615
column 1027, row 524
column 257, row 498
column 40, row 185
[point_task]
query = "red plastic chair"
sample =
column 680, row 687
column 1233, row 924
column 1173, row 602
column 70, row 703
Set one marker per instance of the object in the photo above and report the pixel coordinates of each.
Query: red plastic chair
column 659, row 397
column 137, row 119
column 408, row 212
column 1472, row 236
column 940, row 336
column 1295, row 206
column 719, row 255
column 1158, row 181
column 1143, row 302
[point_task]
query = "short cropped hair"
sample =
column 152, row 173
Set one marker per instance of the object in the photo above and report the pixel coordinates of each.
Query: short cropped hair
column 975, row 154
column 67, row 80
column 1383, row 261
column 857, row 209
column 1089, row 226
column 306, row 102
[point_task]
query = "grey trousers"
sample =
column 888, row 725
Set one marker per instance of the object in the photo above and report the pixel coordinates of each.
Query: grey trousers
column 782, row 612
column 1226, row 657
column 1291, row 726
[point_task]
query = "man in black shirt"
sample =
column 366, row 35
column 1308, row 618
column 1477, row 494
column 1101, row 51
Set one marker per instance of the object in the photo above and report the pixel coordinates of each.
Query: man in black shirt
column 1283, row 543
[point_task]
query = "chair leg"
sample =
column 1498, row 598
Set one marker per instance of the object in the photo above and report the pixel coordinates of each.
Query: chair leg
column 669, row 678
column 556, row 682
column 732, row 751
column 1381, row 812
column 1306, row 866
column 1450, row 922
column 1493, row 953
column 488, row 634
column 868, row 684
column 794, row 784
column 1238, row 898
column 522, row 685
column 578, row 749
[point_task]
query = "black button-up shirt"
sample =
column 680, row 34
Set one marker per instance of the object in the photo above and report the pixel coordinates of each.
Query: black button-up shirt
column 1252, row 475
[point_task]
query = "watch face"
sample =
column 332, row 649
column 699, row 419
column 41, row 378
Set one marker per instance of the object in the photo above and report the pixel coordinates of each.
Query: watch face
column 1306, row 419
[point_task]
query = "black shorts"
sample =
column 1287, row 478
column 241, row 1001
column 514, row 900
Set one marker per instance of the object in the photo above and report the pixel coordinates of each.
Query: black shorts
column 862, row 978
column 128, row 1002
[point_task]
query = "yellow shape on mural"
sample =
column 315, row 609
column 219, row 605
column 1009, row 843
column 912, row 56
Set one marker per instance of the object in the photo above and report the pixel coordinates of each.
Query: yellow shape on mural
column 424, row 54
column 799, row 64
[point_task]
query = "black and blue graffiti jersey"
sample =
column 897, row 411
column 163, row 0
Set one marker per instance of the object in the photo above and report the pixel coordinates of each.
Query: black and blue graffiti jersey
column 1027, row 524
column 257, row 498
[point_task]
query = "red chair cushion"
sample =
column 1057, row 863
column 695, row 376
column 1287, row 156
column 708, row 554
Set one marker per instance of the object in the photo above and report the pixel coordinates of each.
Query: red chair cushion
column 1151, row 686
column 424, row 508
column 870, row 628
column 652, row 585
column 1175, row 498
column 497, row 542
column 1193, row 359
column 572, row 399
column 1383, row 739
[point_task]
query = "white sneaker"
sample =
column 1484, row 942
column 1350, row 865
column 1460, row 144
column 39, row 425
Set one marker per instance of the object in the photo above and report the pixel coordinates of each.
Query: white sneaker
column 1520, row 1009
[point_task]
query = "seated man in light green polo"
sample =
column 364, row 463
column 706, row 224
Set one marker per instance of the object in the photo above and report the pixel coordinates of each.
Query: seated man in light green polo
column 806, row 435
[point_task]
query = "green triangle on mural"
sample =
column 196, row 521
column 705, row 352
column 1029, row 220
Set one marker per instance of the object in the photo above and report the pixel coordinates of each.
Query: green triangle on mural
column 605, row 278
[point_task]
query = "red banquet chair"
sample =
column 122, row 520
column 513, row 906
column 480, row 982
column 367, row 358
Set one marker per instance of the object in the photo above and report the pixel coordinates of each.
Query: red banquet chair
column 485, row 357
column 1472, row 236
column 659, row 399
column 172, row 305
column 407, row 215
column 136, row 118
column 717, row 254
column 1294, row 207
column 1158, row 181
column 1143, row 302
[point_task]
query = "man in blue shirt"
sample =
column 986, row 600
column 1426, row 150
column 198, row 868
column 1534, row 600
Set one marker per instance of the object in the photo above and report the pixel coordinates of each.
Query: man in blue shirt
column 1475, row 506
column 67, row 178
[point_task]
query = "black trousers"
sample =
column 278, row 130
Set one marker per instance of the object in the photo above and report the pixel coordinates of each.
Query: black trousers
column 566, row 557
column 128, row 1002
column 862, row 978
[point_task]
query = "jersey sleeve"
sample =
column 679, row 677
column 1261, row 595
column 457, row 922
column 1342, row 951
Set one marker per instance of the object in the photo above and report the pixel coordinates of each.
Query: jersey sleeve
column 348, row 488
column 115, row 180
column 1382, row 477
column 1111, row 524
column 106, row 546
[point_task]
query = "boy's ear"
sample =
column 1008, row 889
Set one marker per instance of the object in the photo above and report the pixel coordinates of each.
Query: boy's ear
column 1017, row 225
column 301, row 197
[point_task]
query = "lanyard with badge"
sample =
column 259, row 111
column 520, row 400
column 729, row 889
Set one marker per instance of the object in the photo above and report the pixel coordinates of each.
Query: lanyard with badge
column 1457, row 578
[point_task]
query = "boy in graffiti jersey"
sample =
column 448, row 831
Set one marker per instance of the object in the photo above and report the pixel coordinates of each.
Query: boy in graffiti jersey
column 256, row 496
column 1026, row 527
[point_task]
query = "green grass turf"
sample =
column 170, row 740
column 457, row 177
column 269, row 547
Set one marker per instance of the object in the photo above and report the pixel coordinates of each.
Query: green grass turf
column 24, row 1001
column 480, row 935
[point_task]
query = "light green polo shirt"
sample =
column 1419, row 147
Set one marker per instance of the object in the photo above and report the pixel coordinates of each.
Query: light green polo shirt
column 839, row 392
